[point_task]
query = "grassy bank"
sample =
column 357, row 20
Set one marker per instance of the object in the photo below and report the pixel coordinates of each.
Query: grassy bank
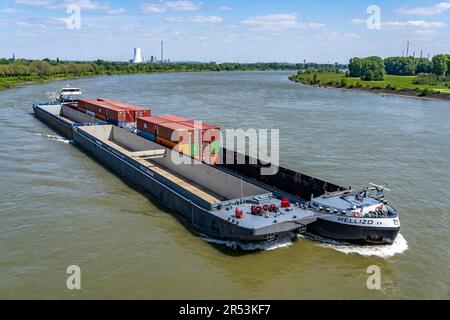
column 11, row 82
column 397, row 85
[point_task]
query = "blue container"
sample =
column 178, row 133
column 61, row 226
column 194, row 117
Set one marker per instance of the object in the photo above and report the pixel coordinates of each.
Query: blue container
column 146, row 135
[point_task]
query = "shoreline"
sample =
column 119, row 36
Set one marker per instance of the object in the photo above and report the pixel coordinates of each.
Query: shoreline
column 407, row 93
column 42, row 81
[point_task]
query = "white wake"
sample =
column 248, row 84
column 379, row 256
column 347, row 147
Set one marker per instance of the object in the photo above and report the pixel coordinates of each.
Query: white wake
column 399, row 246
column 282, row 242
column 54, row 137
column 385, row 251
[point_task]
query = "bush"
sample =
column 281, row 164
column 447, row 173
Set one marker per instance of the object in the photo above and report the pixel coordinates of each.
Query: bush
column 426, row 78
column 343, row 83
column 425, row 92
column 390, row 86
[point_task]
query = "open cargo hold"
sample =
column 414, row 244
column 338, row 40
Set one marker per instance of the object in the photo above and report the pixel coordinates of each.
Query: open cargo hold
column 194, row 182
column 293, row 183
column 135, row 111
column 63, row 118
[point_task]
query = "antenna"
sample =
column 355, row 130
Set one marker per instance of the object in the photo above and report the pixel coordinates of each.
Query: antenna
column 241, row 190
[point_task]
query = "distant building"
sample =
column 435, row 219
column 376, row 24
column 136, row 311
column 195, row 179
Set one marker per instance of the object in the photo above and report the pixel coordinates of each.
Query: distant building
column 137, row 55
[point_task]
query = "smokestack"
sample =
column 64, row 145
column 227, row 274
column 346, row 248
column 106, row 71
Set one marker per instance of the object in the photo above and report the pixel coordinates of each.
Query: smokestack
column 407, row 49
column 421, row 51
column 162, row 51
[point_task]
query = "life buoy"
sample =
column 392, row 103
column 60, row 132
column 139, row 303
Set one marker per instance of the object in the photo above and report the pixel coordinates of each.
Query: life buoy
column 356, row 214
column 265, row 207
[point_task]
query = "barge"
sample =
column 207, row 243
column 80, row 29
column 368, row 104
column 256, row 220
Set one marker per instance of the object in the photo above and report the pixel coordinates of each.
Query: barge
column 228, row 201
column 213, row 202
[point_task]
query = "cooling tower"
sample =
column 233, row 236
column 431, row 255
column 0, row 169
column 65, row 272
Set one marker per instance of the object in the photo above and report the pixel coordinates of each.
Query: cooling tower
column 137, row 55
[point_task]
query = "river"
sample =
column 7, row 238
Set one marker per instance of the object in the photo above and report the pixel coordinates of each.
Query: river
column 61, row 208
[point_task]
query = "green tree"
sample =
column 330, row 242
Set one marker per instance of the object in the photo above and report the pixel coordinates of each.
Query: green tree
column 440, row 65
column 356, row 67
column 41, row 68
column 423, row 66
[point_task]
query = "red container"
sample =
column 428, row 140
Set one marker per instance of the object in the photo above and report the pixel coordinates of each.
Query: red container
column 149, row 124
column 175, row 132
column 106, row 111
column 209, row 132
column 172, row 118
column 134, row 111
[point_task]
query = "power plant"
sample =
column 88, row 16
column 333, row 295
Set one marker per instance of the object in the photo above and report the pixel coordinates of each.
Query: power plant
column 138, row 58
column 137, row 55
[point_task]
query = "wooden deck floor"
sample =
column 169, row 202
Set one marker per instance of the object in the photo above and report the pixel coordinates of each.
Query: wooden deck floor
column 187, row 184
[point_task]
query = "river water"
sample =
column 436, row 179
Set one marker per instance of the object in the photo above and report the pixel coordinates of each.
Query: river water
column 61, row 208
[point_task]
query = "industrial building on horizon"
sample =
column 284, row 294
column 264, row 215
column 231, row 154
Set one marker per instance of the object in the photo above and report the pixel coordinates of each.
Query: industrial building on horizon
column 138, row 58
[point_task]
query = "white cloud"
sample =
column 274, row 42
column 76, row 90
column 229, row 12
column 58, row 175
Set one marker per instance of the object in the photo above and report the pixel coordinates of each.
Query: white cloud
column 278, row 21
column 83, row 4
column 419, row 24
column 34, row 2
column 24, row 24
column 92, row 5
column 164, row 6
column 196, row 19
column 225, row 8
column 425, row 11
column 357, row 21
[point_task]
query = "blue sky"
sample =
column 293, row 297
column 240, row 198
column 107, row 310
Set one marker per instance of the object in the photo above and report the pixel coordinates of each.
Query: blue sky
column 223, row 30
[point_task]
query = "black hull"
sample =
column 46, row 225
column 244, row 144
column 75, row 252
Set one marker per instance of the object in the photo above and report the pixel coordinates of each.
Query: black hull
column 354, row 234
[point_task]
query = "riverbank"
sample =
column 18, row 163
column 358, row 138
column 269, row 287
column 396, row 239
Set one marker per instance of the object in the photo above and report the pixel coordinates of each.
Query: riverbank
column 21, row 72
column 391, row 85
column 13, row 82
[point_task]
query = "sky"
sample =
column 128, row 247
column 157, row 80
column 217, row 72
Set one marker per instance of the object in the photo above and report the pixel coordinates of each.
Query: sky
column 223, row 30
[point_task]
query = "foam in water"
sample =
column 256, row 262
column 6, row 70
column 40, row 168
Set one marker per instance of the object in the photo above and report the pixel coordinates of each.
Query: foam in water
column 282, row 242
column 399, row 246
column 54, row 137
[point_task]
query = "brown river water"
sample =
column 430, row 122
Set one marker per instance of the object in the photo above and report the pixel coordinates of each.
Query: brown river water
column 61, row 208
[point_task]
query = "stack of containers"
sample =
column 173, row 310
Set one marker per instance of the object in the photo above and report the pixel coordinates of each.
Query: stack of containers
column 210, row 139
column 112, row 111
column 146, row 126
column 104, row 111
column 134, row 111
column 178, row 136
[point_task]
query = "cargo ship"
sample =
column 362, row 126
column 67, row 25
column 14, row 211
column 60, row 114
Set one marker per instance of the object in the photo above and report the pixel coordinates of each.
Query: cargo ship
column 214, row 196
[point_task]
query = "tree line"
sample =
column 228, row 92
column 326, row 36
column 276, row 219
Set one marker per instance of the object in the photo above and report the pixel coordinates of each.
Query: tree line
column 47, row 67
column 375, row 68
